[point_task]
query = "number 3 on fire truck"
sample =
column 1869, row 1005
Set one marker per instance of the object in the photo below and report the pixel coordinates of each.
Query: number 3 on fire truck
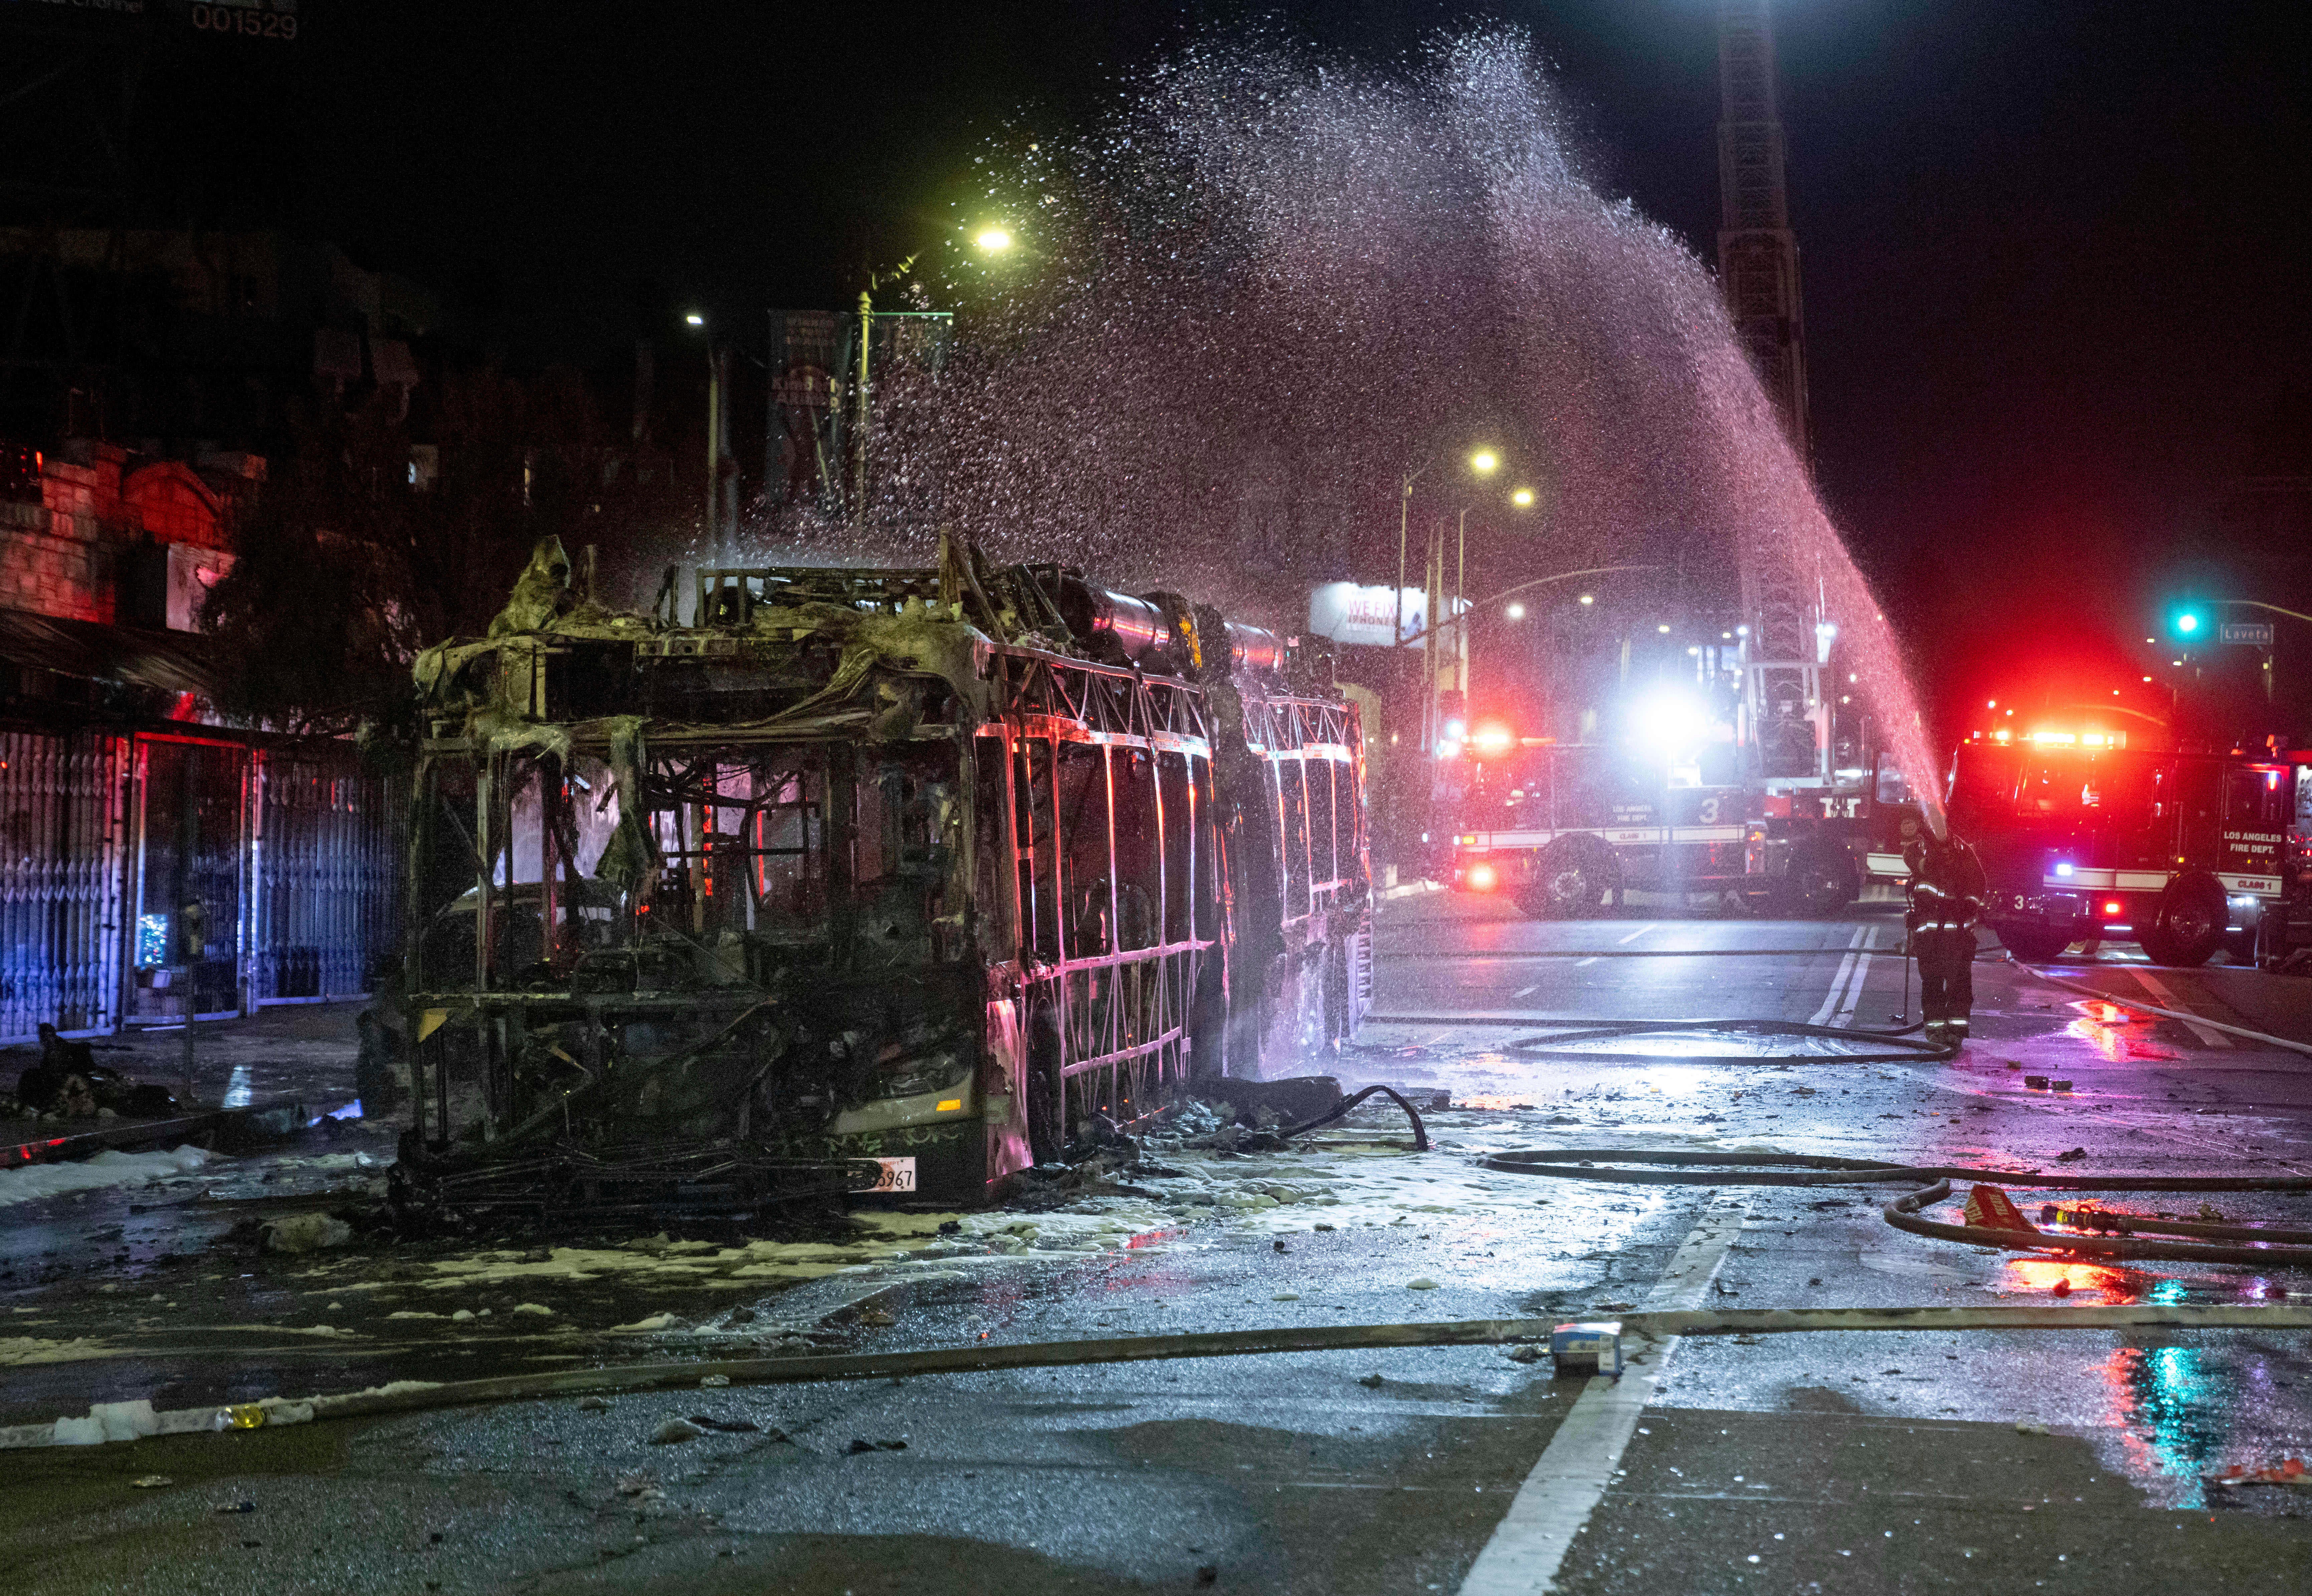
column 1710, row 811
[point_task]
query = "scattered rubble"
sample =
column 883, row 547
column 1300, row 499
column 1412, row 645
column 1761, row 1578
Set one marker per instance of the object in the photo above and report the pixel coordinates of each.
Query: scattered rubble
column 306, row 1233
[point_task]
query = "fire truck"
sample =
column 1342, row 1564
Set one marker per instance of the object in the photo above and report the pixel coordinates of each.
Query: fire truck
column 1724, row 759
column 1565, row 830
column 2083, row 838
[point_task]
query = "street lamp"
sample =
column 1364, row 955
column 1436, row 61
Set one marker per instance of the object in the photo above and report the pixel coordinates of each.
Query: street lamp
column 1522, row 498
column 993, row 239
column 1484, row 462
column 1516, row 612
column 717, row 424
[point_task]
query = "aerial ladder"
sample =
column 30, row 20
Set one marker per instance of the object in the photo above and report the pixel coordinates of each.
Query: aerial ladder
column 1785, row 727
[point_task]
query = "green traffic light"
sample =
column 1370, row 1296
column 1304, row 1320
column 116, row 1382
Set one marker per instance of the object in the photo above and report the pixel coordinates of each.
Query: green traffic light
column 2187, row 623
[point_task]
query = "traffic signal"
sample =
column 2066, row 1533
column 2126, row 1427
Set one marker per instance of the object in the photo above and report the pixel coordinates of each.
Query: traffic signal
column 2190, row 623
column 1453, row 715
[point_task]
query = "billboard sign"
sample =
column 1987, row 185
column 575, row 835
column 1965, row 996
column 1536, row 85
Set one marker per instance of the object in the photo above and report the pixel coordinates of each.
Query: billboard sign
column 1366, row 617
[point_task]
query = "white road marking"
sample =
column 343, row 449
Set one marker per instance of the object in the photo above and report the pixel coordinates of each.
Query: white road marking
column 1633, row 935
column 1580, row 962
column 1838, row 982
column 1527, row 991
column 2210, row 1036
column 1862, row 971
column 1530, row 1543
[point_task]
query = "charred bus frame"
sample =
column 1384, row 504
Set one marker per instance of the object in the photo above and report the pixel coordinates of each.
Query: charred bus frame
column 906, row 878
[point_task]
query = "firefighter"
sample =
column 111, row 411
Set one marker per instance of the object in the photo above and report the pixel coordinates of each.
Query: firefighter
column 1946, row 890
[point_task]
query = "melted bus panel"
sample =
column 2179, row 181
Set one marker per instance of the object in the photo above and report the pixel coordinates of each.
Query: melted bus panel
column 874, row 877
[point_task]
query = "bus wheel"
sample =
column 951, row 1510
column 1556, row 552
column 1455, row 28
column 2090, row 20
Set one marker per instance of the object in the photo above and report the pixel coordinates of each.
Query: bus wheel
column 2034, row 945
column 2190, row 925
column 1574, row 876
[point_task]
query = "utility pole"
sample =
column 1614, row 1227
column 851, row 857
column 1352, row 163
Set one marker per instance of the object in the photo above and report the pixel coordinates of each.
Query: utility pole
column 860, row 406
column 1404, row 509
column 1428, row 631
column 859, row 401
column 722, row 465
column 1460, row 587
column 715, row 402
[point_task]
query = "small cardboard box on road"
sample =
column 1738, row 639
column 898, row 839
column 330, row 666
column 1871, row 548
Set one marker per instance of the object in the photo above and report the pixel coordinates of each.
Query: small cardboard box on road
column 1593, row 1346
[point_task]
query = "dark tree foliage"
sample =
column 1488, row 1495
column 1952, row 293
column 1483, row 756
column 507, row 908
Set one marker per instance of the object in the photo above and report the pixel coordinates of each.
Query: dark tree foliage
column 345, row 567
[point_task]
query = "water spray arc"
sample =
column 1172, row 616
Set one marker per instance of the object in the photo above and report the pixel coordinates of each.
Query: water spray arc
column 1262, row 267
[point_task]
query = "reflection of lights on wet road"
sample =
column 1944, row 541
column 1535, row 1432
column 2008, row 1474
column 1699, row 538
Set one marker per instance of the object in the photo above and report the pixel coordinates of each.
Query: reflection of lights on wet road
column 2168, row 1404
column 2103, row 1026
column 2043, row 1274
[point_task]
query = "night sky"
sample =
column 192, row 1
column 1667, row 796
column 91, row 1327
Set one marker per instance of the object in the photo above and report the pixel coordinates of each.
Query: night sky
column 2052, row 252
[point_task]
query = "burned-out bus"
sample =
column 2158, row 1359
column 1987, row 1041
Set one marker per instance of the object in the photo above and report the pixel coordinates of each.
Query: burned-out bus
column 900, row 878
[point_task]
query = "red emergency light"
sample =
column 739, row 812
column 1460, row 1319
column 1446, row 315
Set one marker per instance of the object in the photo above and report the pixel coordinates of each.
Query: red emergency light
column 1484, row 878
column 2115, row 906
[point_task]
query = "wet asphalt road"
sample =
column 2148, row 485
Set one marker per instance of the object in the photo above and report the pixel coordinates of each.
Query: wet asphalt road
column 2071, row 1460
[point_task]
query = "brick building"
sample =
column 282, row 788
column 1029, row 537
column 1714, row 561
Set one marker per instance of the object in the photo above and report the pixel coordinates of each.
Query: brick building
column 111, row 541
column 124, row 797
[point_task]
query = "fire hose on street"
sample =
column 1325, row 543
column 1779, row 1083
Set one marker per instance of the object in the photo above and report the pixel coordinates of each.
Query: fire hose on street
column 423, row 1396
column 2131, row 1235
column 1900, row 1045
column 2130, row 1002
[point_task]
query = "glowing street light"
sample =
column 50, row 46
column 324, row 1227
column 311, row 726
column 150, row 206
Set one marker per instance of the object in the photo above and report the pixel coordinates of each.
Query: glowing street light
column 1517, row 612
column 1484, row 462
column 993, row 239
column 1589, row 597
column 693, row 319
column 1522, row 498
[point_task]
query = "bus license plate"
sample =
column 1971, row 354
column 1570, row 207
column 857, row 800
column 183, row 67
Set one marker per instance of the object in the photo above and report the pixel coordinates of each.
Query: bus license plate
column 898, row 1175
